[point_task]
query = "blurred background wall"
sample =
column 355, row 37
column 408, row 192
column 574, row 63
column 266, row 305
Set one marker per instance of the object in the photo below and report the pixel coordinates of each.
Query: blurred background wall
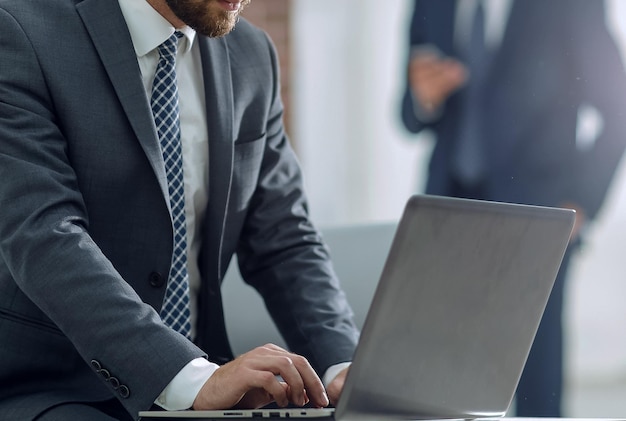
column 343, row 66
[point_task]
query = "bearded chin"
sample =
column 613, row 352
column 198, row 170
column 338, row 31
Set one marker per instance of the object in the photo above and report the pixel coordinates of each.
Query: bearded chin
column 199, row 15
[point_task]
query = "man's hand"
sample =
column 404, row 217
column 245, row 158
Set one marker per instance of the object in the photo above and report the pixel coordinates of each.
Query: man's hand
column 434, row 78
column 336, row 386
column 250, row 381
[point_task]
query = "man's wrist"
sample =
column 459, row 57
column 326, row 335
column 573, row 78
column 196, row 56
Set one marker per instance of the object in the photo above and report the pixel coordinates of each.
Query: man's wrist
column 333, row 371
column 181, row 392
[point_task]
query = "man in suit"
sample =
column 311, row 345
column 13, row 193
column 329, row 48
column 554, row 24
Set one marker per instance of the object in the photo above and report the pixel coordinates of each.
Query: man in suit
column 92, row 95
column 501, row 84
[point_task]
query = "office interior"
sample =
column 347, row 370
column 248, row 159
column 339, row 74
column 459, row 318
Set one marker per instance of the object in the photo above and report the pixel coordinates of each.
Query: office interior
column 346, row 70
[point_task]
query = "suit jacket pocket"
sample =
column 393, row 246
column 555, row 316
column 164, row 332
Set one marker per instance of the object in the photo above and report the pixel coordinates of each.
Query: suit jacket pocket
column 248, row 157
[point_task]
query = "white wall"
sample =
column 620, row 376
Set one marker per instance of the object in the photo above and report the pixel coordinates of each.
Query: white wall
column 361, row 165
column 359, row 162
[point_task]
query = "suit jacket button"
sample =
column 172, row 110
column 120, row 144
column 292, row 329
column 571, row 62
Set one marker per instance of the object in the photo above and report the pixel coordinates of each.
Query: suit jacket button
column 123, row 391
column 115, row 383
column 105, row 373
column 156, row 280
column 96, row 365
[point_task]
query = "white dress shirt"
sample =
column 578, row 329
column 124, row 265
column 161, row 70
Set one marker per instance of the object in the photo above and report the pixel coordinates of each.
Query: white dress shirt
column 148, row 29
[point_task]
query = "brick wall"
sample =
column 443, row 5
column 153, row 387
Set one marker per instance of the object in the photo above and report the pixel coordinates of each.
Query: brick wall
column 273, row 16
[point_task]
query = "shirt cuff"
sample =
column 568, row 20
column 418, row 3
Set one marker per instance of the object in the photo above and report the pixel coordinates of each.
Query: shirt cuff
column 181, row 392
column 333, row 371
column 423, row 115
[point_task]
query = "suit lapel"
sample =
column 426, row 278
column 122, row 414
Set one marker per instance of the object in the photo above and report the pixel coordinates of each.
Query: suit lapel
column 502, row 70
column 442, row 23
column 218, row 91
column 106, row 26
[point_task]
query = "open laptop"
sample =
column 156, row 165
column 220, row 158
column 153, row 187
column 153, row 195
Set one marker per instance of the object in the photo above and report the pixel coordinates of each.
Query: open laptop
column 453, row 316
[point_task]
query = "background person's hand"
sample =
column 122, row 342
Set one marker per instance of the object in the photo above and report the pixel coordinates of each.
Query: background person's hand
column 433, row 77
column 250, row 381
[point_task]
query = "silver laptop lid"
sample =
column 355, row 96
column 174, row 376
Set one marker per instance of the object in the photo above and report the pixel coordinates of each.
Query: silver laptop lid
column 456, row 309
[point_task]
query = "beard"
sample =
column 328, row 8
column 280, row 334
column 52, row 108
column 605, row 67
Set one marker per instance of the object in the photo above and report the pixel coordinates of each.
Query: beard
column 206, row 17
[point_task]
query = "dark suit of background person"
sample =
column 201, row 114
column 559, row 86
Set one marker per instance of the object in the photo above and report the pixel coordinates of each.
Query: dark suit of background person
column 85, row 232
column 554, row 56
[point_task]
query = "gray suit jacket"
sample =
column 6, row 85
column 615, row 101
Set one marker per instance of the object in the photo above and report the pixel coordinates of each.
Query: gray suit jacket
column 85, row 227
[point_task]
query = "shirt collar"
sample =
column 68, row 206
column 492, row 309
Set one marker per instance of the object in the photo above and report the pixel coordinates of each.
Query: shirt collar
column 148, row 29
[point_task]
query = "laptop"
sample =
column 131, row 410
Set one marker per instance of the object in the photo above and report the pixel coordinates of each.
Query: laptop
column 452, row 319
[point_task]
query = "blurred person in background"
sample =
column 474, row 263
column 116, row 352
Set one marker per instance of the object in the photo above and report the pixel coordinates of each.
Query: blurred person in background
column 503, row 84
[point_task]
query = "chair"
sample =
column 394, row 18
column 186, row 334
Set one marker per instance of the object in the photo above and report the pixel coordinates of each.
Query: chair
column 358, row 253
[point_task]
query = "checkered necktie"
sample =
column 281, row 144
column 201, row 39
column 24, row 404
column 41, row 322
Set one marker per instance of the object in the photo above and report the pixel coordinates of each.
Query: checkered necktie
column 164, row 102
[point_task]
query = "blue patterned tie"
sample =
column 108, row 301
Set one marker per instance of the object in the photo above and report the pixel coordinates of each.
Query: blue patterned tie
column 164, row 102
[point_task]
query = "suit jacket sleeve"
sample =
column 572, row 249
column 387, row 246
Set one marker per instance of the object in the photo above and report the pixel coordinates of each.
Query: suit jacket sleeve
column 408, row 113
column 282, row 255
column 598, row 80
column 55, row 281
